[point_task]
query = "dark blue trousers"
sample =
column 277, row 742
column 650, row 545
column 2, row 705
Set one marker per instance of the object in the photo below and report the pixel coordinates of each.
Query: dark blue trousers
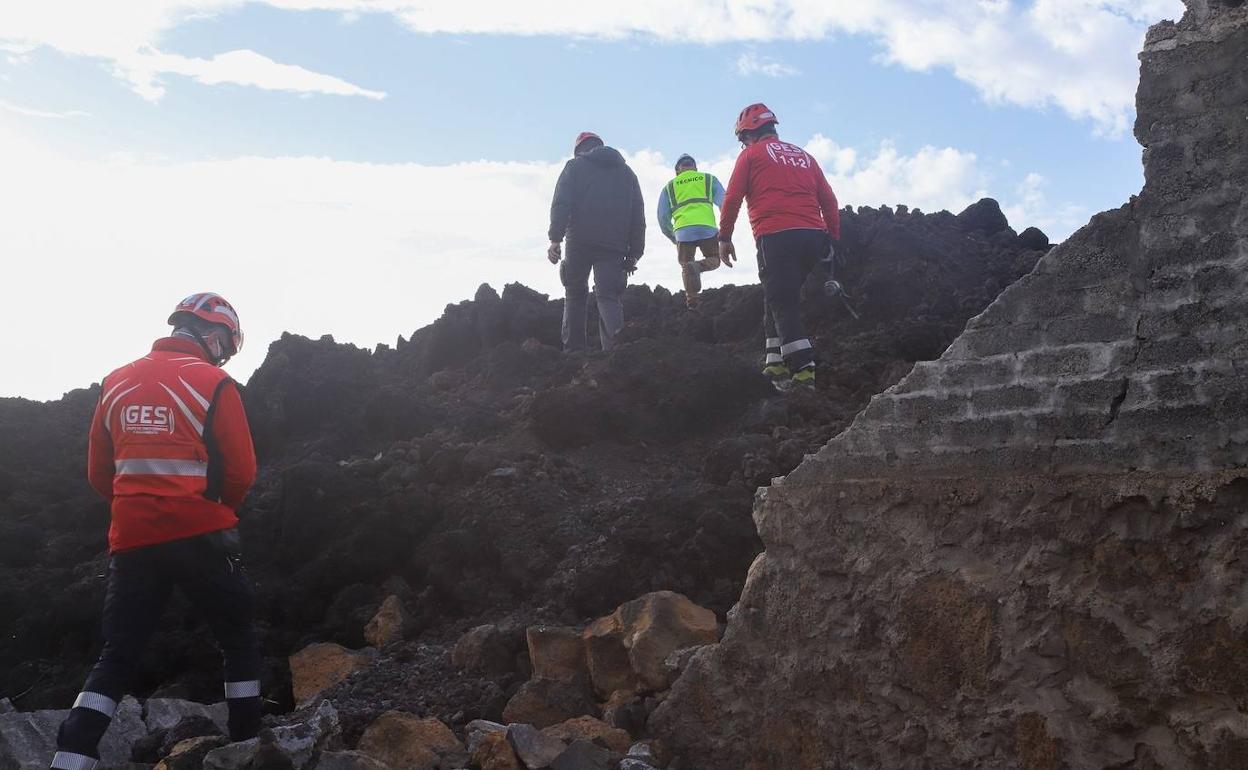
column 208, row 570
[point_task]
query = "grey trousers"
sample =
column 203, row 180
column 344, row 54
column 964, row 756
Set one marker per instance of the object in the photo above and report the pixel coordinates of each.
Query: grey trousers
column 609, row 283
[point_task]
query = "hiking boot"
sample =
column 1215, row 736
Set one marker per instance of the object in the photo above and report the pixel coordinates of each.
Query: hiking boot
column 777, row 372
column 692, row 276
column 804, row 377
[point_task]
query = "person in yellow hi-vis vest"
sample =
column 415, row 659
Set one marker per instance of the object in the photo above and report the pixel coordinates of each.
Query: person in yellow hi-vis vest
column 687, row 217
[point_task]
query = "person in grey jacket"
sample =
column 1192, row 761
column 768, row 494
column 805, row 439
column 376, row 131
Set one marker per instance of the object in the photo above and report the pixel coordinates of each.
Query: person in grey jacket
column 598, row 208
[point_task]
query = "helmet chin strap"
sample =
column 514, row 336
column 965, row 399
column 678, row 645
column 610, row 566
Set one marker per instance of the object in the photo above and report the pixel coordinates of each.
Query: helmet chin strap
column 217, row 356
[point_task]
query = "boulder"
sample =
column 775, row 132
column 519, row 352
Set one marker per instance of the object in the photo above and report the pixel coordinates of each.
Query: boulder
column 641, row 751
column 6, row 706
column 189, row 754
column 631, row 763
column 28, row 738
column 492, row 752
column 387, row 625
column 348, row 760
column 606, row 657
column 592, row 730
column 535, row 749
column 584, row 755
column 1033, row 238
column 640, row 635
column 556, row 652
column 983, row 216
column 477, row 729
column 625, row 710
column 158, row 744
column 403, row 740
column 318, row 667
column 483, row 650
column 298, row 742
column 546, row 702
column 166, row 713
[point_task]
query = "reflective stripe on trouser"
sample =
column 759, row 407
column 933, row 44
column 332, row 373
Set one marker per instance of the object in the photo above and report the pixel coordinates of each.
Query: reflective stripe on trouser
column 248, row 689
column 139, row 584
column 784, row 260
column 68, row 760
column 773, row 351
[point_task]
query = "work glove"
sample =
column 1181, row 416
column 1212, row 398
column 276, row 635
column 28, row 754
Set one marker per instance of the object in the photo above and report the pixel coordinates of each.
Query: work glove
column 555, row 252
column 630, row 265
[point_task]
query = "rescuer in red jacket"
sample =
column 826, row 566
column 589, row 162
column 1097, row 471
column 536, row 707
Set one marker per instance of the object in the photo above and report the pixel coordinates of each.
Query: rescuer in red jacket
column 794, row 215
column 171, row 451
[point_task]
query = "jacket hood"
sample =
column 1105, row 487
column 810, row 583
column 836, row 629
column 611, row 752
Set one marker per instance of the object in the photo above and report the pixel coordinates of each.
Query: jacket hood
column 605, row 156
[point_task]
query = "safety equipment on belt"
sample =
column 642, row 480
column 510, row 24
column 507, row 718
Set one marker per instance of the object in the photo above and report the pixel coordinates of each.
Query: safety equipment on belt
column 584, row 136
column 832, row 287
column 214, row 309
column 754, row 117
column 690, row 196
column 683, row 160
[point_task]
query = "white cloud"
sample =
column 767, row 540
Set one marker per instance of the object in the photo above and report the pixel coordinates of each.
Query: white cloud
column 750, row 63
column 931, row 179
column 318, row 246
column 1031, row 205
column 31, row 112
column 1076, row 55
column 128, row 35
column 242, row 67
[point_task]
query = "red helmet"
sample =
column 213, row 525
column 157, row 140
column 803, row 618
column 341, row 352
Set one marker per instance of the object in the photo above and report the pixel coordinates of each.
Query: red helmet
column 581, row 137
column 754, row 116
column 214, row 309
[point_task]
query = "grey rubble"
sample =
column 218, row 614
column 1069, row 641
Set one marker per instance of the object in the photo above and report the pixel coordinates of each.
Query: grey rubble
column 1029, row 552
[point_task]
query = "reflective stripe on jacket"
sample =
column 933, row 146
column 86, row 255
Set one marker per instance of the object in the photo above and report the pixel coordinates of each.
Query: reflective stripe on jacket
column 170, row 447
column 692, row 201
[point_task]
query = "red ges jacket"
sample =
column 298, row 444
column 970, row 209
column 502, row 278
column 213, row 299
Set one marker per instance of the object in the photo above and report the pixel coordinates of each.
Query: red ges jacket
column 785, row 188
column 170, row 447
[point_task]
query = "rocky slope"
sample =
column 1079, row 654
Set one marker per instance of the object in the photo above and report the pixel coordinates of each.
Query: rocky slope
column 482, row 476
column 1028, row 553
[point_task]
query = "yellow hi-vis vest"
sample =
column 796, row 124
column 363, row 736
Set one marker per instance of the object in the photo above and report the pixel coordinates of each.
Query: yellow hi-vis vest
column 690, row 197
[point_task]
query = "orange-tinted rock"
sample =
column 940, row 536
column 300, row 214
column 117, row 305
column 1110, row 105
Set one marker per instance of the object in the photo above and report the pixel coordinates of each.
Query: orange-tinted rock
column 593, row 730
column 387, row 625
column 628, row 649
column 317, row 667
column 483, row 650
column 556, row 652
column 624, row 709
column 546, row 702
column 606, row 657
column 403, row 740
column 493, row 752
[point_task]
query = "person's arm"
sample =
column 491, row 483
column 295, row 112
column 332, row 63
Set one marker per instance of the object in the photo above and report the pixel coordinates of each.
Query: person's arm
column 717, row 192
column 637, row 223
column 738, row 185
column 665, row 215
column 231, row 439
column 827, row 202
column 100, row 466
column 561, row 205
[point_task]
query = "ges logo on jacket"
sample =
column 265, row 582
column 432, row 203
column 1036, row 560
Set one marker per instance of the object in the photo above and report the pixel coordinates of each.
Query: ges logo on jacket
column 147, row 420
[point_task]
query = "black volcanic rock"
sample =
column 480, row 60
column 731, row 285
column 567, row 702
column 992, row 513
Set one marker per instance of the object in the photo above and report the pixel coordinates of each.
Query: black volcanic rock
column 493, row 478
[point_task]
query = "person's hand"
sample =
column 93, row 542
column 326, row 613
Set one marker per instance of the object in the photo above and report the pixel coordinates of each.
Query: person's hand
column 630, row 265
column 555, row 252
column 727, row 252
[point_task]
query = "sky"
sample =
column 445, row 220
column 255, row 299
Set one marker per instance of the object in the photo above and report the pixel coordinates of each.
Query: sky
column 350, row 167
